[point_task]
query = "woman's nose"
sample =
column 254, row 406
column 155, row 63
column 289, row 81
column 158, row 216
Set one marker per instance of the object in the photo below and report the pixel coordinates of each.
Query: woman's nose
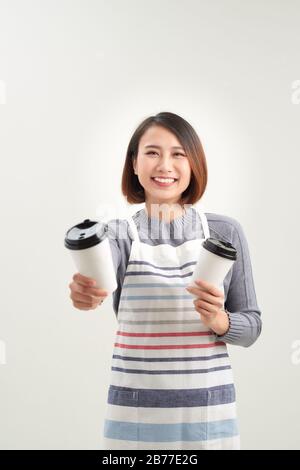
column 165, row 164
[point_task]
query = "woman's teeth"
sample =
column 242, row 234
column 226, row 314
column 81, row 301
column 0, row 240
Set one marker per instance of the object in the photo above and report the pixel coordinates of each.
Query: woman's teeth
column 164, row 180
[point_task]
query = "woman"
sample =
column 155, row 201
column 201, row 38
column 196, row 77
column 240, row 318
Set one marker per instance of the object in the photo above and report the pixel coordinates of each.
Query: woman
column 172, row 384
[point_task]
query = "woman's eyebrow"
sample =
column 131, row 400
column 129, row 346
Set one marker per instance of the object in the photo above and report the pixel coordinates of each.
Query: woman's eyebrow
column 158, row 147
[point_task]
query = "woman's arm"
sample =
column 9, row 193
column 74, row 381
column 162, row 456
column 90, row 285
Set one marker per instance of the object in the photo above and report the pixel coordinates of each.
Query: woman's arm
column 120, row 244
column 241, row 303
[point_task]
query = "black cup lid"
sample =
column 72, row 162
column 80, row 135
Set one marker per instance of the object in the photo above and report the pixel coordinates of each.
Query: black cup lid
column 220, row 248
column 85, row 235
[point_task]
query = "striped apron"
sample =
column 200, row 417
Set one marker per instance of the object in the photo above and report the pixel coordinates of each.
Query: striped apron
column 171, row 381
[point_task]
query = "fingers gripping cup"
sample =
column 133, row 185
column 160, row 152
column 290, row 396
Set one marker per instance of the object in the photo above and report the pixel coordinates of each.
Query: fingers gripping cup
column 89, row 246
column 216, row 257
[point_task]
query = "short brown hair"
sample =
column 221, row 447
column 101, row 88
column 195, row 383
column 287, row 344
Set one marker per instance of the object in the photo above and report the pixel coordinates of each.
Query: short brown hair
column 188, row 138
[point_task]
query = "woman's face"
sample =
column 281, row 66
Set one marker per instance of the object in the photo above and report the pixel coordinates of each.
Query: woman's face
column 160, row 154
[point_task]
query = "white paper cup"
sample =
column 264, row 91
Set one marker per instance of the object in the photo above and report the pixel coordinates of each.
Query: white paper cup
column 89, row 246
column 215, row 259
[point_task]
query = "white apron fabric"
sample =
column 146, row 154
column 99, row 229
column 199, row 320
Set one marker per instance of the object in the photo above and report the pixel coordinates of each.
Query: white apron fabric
column 171, row 382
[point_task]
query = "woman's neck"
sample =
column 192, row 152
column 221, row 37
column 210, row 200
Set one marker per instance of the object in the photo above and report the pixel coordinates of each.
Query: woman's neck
column 164, row 212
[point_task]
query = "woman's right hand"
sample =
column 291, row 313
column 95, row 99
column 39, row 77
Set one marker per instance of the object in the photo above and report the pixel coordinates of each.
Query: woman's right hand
column 83, row 295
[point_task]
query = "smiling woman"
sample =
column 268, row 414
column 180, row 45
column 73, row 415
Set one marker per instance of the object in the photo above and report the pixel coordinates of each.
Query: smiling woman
column 172, row 384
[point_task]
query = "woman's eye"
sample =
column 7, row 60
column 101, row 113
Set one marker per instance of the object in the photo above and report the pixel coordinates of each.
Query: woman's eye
column 148, row 153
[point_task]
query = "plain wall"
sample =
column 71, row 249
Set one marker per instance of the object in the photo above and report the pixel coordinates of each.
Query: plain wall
column 76, row 79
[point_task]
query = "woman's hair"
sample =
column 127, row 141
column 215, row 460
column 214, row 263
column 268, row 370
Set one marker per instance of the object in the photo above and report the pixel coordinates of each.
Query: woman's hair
column 188, row 138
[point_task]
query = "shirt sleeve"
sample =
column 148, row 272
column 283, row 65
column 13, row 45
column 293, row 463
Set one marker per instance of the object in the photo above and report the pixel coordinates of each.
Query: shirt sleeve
column 241, row 303
column 116, row 254
column 120, row 245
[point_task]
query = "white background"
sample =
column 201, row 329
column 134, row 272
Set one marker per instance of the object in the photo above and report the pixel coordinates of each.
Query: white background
column 76, row 79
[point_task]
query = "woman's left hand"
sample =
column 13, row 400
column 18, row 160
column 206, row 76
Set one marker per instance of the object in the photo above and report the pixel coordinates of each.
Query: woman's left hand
column 209, row 304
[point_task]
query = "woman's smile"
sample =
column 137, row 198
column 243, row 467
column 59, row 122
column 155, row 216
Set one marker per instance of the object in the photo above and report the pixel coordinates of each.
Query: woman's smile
column 163, row 182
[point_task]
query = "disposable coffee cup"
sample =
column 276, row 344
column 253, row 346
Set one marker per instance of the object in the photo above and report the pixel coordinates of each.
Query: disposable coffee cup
column 89, row 246
column 215, row 259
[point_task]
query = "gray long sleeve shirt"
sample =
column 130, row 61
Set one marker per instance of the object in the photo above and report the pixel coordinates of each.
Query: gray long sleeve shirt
column 239, row 292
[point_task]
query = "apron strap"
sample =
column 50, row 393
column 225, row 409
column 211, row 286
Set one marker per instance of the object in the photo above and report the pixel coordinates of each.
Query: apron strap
column 204, row 224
